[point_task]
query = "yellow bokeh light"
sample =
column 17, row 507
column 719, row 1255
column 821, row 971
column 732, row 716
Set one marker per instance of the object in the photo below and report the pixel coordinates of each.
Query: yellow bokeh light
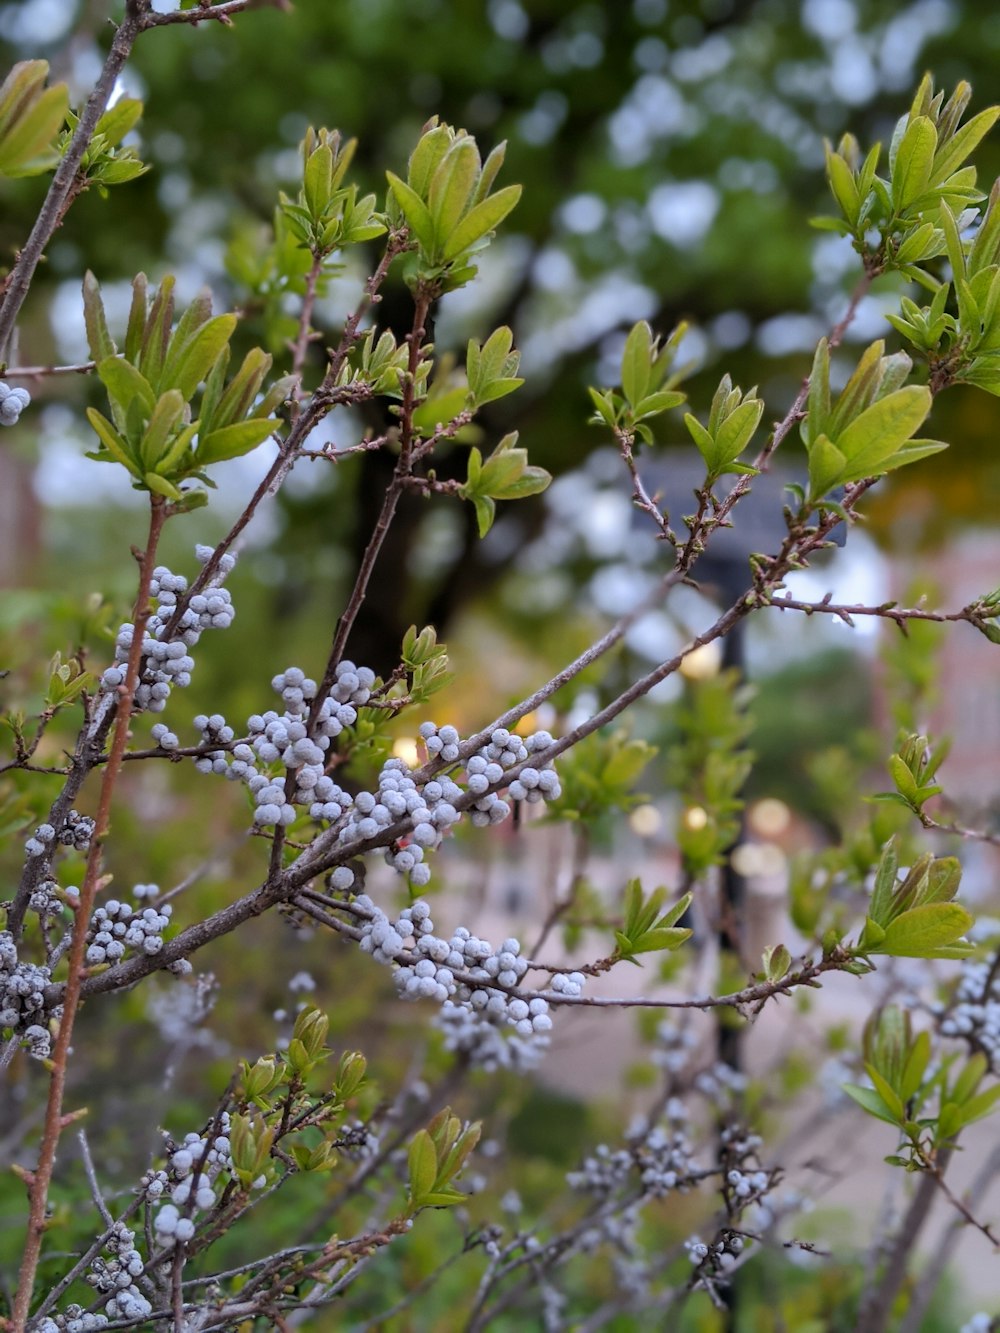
column 695, row 818
column 405, row 748
column 645, row 820
column 702, row 663
column 770, row 817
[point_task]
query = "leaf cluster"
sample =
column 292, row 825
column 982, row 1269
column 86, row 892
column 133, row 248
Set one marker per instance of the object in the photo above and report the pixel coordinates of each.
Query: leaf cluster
column 732, row 423
column 276, row 1106
column 435, row 1159
column 105, row 162
column 905, row 1083
column 645, row 929
column 448, row 204
column 868, row 430
column 927, row 184
column 648, row 380
column 154, row 432
column 913, row 768
column 915, row 917
column 31, row 117
column 599, row 775
column 505, row 475
column 327, row 215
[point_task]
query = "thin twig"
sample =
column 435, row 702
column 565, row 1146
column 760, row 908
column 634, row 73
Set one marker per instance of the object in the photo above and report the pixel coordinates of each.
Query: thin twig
column 95, row 1189
column 40, row 372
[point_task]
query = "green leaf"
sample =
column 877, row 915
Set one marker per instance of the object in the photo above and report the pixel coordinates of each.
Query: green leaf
column 423, row 1165
column 198, row 355
column 531, row 481
column 912, row 453
column 451, row 188
column 26, row 139
column 98, row 337
column 485, row 513
column 233, row 441
column 921, row 931
column 956, row 254
column 738, row 429
column 916, row 1066
column 136, row 319
column 242, row 389
column 859, row 390
column 112, row 441
column 887, row 1093
column 903, row 778
column 661, row 401
column 156, row 335
column 826, row 466
column 317, row 179
column 912, row 167
column 119, row 120
column 484, row 218
column 979, row 1106
column 953, row 153
column 843, row 185
column 166, row 415
column 872, row 935
column 869, row 1100
column 124, row 383
column 885, row 883
column 425, row 158
column 161, row 486
column 970, row 1078
column 636, row 367
column 414, row 210
column 819, row 393
column 881, row 429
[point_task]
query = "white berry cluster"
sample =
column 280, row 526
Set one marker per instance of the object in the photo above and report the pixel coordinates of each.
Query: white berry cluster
column 214, row 731
column 748, row 1185
column 76, row 832
column 660, row 1153
column 194, row 1167
column 118, row 926
column 22, row 996
column 425, row 967
column 485, row 1045
column 720, row 1083
column 975, row 1015
column 75, row 1320
column 286, row 738
column 675, row 1046
column 166, row 662
column 12, row 403
column 603, row 1172
column 44, row 898
column 117, row 1276
column 663, row 1157
column 717, row 1257
column 483, row 770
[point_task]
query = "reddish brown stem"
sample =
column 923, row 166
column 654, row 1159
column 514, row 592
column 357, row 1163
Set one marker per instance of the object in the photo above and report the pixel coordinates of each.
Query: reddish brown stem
column 42, row 1177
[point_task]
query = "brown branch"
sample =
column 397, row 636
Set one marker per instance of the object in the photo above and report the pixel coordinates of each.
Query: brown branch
column 40, row 372
column 971, row 614
column 389, row 504
column 221, row 13
column 42, row 1176
column 305, row 334
column 65, row 179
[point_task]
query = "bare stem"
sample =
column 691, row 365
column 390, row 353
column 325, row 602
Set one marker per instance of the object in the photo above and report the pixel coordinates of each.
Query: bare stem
column 65, row 179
